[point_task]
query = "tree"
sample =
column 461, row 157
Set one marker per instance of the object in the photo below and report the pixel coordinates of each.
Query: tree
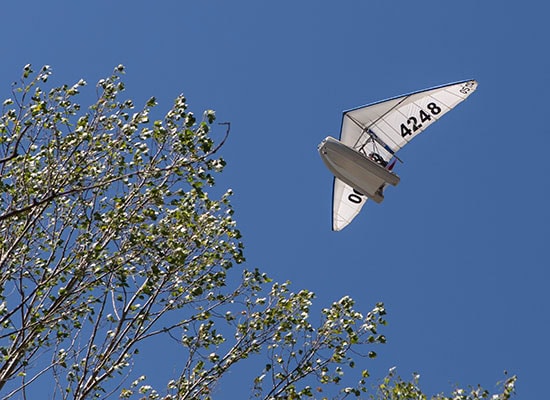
column 111, row 239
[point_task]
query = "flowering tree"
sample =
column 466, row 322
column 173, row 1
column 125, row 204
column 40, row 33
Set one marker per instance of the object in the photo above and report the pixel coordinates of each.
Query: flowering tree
column 110, row 239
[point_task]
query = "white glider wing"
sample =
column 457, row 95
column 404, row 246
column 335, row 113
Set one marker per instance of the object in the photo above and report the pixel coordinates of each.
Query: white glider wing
column 384, row 128
column 347, row 203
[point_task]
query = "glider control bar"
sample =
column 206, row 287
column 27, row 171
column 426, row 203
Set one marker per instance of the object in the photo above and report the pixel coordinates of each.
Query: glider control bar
column 374, row 137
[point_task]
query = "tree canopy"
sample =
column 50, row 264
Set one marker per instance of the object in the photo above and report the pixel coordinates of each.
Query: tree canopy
column 113, row 235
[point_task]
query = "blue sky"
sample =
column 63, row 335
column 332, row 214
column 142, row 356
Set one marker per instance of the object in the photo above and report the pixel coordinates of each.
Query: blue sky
column 458, row 251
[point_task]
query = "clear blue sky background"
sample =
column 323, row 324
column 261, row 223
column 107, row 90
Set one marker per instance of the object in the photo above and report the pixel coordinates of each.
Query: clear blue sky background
column 458, row 251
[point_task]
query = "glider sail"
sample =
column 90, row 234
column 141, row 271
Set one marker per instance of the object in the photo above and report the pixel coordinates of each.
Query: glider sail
column 383, row 128
column 346, row 204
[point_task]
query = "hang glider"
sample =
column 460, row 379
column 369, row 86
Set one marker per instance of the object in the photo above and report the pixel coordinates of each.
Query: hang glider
column 362, row 160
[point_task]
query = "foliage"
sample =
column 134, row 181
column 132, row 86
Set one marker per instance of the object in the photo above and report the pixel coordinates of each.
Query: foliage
column 110, row 239
column 395, row 388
